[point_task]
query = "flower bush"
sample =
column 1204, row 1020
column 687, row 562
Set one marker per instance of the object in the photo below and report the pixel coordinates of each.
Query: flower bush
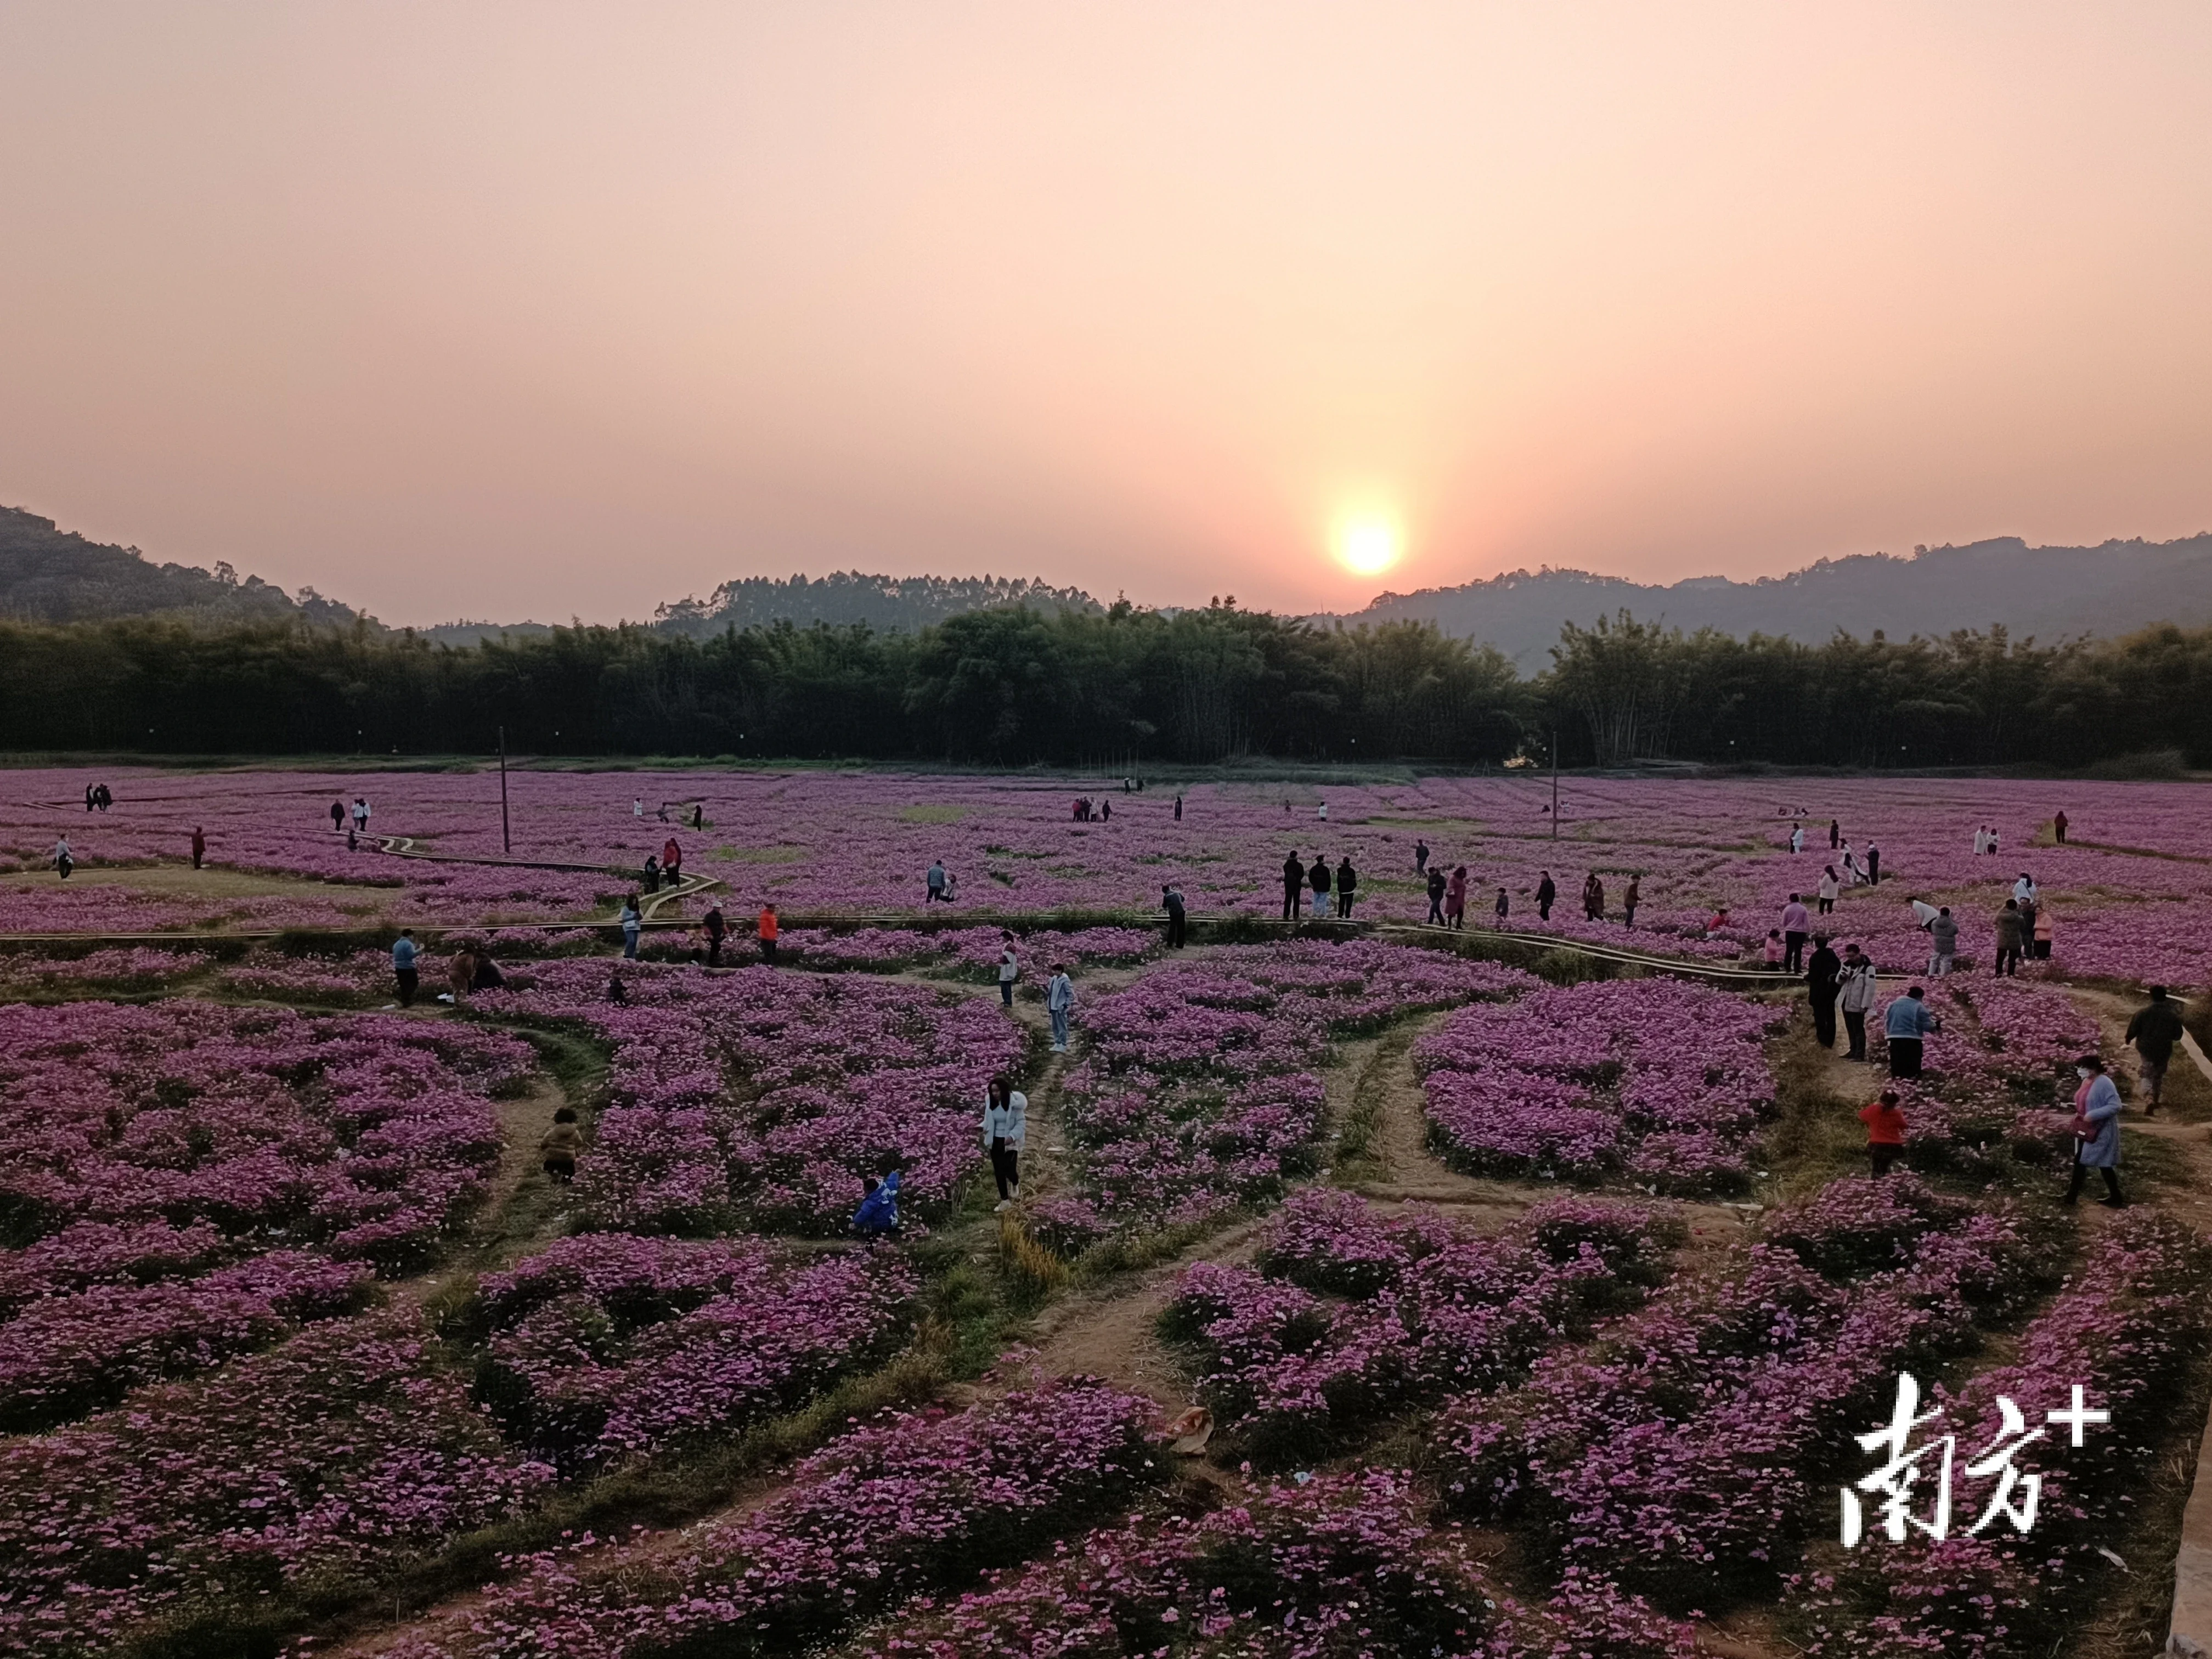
column 607, row 1344
column 907, row 1504
column 1663, row 1080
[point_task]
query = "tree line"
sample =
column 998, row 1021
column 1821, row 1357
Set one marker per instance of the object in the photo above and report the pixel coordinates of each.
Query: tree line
column 1015, row 686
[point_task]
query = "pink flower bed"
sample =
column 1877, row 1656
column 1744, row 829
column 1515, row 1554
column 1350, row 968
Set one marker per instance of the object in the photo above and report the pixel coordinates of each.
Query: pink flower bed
column 973, row 951
column 1352, row 1315
column 607, row 1344
column 1660, row 1079
column 135, row 968
column 905, row 1505
column 1681, row 1455
column 1198, row 1092
column 2127, row 1330
column 335, row 1458
column 763, row 1096
column 1344, row 1564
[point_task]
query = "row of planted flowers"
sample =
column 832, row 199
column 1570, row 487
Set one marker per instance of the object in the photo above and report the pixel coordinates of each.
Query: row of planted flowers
column 1199, row 1088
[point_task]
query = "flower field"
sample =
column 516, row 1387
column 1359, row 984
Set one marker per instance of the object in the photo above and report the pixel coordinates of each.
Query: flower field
column 304, row 1350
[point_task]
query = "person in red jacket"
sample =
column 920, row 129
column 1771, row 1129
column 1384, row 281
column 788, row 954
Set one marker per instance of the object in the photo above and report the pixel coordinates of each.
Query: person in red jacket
column 768, row 933
column 1885, row 1122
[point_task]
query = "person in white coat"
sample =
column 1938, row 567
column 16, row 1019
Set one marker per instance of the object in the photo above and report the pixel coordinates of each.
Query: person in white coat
column 1005, row 1121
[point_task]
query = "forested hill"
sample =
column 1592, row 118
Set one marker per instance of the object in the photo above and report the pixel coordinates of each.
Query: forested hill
column 53, row 575
column 2049, row 592
column 905, row 603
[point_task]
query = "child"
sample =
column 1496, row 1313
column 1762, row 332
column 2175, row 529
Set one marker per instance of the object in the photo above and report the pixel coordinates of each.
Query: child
column 1773, row 947
column 1884, row 1123
column 560, row 1145
column 879, row 1212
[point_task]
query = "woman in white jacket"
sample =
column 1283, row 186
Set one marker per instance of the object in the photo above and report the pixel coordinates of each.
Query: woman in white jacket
column 1006, row 1120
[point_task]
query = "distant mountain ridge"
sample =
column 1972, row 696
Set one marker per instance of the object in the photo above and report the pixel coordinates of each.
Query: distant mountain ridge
column 54, row 576
column 2048, row 592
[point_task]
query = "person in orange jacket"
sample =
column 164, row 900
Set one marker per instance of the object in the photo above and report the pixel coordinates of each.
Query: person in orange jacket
column 1885, row 1121
column 768, row 933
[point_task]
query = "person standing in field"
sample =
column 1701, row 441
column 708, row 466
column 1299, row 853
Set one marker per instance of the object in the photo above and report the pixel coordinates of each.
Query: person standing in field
column 671, row 858
column 558, row 1146
column 460, row 974
column 2038, row 946
column 2096, row 1132
column 2029, row 895
column 1835, row 835
column 1317, row 878
column 1855, row 998
column 404, row 971
column 632, row 921
column 1005, row 1125
column 1347, row 883
column 337, row 816
column 1420, row 857
column 1503, row 906
column 2155, row 1032
column 1060, row 1003
column 1010, row 968
column 935, row 883
column 1178, row 918
column 1178, row 809
column 1436, row 886
column 89, row 801
column 1885, row 1121
column 199, row 846
column 1294, row 886
column 716, row 929
column 1981, row 839
column 1631, row 897
column 64, row 860
column 651, row 873
column 1906, row 1023
column 1942, row 942
column 2009, row 938
column 1593, row 897
column 1796, row 837
column 1547, row 890
column 768, row 935
column 2058, row 827
column 1454, row 913
column 1829, row 887
column 1993, row 841
column 637, row 807
column 1874, row 863
column 1823, row 976
column 1796, row 923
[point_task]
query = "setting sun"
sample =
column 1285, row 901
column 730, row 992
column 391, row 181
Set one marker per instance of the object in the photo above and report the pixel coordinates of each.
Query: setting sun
column 1367, row 546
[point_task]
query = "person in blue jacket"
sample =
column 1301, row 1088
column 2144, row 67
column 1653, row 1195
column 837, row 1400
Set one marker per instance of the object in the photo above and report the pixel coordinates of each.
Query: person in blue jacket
column 879, row 1212
column 2096, row 1132
column 1905, row 1024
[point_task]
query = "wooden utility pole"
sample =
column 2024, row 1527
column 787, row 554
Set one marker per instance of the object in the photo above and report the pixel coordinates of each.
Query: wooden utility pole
column 506, row 840
column 1555, row 783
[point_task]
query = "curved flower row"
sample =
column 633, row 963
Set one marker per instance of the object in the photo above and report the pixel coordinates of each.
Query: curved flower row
column 905, row 1505
column 607, row 1344
column 766, row 1096
column 1352, row 1314
column 1198, row 1090
column 1679, row 1455
column 1663, row 1078
column 973, row 951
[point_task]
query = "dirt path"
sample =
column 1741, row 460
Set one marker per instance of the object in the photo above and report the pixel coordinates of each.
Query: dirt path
column 1391, row 1162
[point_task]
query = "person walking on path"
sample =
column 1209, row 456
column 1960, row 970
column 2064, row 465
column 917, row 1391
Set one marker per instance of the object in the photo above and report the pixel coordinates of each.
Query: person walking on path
column 1874, row 864
column 1438, row 882
column 404, row 974
column 1906, row 1023
column 2058, row 827
column 935, row 881
column 1294, row 886
column 1454, row 896
column 558, row 1146
column 651, row 873
column 1629, row 899
column 1347, row 883
column 1006, row 1124
column 64, row 860
column 1178, row 809
column 2010, row 941
column 1171, row 901
column 1420, row 858
column 2096, row 1132
column 460, row 974
column 361, row 813
column 199, row 846
column 671, row 858
column 337, row 816
column 1593, row 897
column 768, row 935
column 2154, row 1030
column 633, row 922
column 1010, row 968
column 1942, row 942
column 716, row 929
column 1829, row 887
column 1855, row 998
column 1317, row 879
column 1885, row 1121
column 1060, row 1003
column 1796, row 924
column 1546, row 892
column 1823, row 979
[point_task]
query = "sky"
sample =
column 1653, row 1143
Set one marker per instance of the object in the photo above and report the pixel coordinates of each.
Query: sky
column 543, row 310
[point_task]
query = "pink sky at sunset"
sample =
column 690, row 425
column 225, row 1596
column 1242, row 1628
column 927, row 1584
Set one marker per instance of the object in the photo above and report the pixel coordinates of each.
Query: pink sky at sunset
column 542, row 309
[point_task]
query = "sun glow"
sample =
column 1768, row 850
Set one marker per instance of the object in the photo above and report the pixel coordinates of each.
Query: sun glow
column 1368, row 546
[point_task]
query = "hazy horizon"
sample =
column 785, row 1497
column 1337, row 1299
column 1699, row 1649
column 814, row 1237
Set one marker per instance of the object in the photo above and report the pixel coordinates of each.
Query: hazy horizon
column 503, row 311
